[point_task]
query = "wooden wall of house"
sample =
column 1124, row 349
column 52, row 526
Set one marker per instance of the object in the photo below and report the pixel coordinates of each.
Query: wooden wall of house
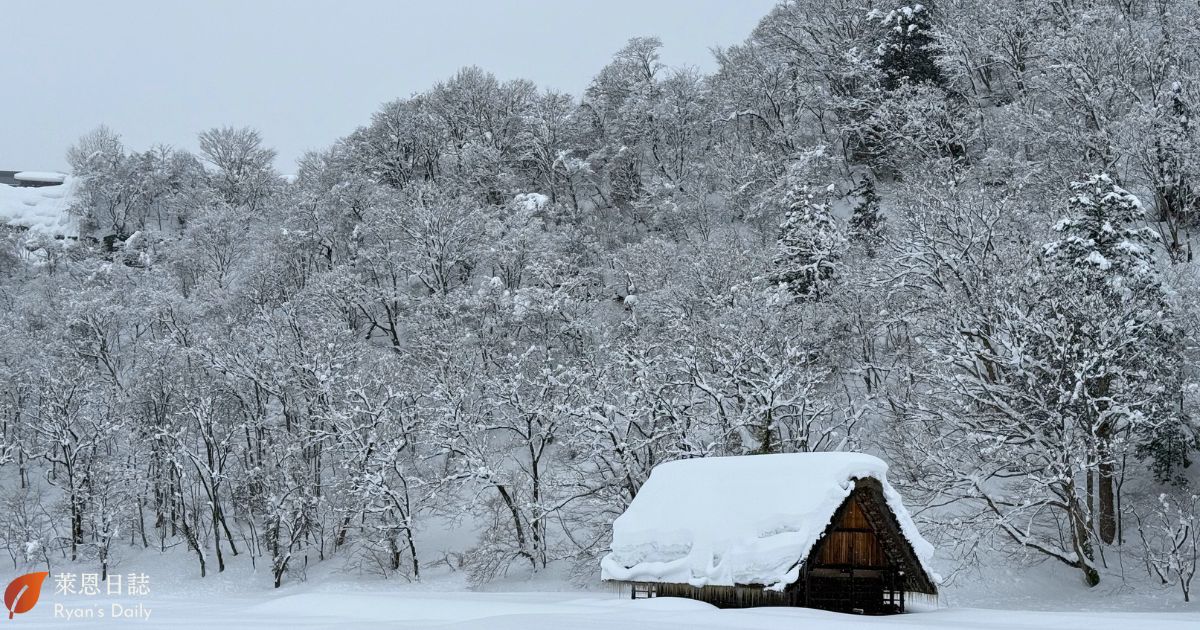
column 851, row 542
column 731, row 596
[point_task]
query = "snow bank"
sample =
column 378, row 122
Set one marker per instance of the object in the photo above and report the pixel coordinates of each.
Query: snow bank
column 41, row 209
column 723, row 521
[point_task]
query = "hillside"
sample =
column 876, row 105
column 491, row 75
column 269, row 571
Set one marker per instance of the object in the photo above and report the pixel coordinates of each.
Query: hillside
column 442, row 357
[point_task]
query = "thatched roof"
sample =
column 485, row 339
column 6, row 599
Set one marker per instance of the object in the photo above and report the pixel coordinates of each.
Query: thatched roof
column 751, row 520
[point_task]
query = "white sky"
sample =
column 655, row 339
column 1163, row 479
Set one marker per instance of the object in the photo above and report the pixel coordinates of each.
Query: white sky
column 303, row 72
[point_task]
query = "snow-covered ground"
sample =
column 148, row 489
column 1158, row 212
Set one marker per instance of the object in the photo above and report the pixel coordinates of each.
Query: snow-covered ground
column 1033, row 598
column 327, row 606
column 1003, row 595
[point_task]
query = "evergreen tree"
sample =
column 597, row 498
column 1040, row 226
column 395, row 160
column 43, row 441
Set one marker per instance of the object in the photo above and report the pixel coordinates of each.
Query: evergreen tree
column 907, row 53
column 1117, row 346
column 1101, row 244
column 866, row 222
column 809, row 247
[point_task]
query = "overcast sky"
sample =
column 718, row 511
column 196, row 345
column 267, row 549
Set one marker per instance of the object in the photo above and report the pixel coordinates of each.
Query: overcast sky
column 303, row 72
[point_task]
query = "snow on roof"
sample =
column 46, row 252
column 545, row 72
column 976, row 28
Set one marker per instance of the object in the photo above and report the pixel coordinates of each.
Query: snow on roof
column 722, row 521
column 41, row 209
column 39, row 176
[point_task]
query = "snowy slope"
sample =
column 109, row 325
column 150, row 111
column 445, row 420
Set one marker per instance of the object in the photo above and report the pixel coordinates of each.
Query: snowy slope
column 741, row 520
column 42, row 209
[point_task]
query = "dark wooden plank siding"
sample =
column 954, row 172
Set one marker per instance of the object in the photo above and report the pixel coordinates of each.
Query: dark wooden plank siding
column 851, row 542
column 731, row 596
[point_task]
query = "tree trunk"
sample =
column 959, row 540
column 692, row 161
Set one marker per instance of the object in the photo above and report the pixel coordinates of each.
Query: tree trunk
column 412, row 551
column 1081, row 538
column 217, row 538
column 517, row 526
column 1108, row 511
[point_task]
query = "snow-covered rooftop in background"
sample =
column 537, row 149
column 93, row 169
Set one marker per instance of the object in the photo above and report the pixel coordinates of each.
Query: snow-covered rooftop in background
column 40, row 176
column 41, row 209
column 722, row 521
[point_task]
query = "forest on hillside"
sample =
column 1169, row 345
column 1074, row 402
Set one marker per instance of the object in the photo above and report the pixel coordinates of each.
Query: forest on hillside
column 957, row 235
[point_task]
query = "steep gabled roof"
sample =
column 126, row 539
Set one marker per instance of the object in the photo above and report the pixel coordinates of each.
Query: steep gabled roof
column 869, row 496
column 725, row 521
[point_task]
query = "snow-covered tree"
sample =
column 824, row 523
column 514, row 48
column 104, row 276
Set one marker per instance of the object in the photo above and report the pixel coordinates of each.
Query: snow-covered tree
column 1170, row 536
column 810, row 244
column 908, row 52
column 1128, row 381
column 245, row 172
column 867, row 223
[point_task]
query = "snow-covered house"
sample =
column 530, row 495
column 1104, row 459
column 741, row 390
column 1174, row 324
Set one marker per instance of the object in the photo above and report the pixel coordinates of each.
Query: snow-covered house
column 823, row 530
column 38, row 179
column 32, row 179
column 43, row 209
